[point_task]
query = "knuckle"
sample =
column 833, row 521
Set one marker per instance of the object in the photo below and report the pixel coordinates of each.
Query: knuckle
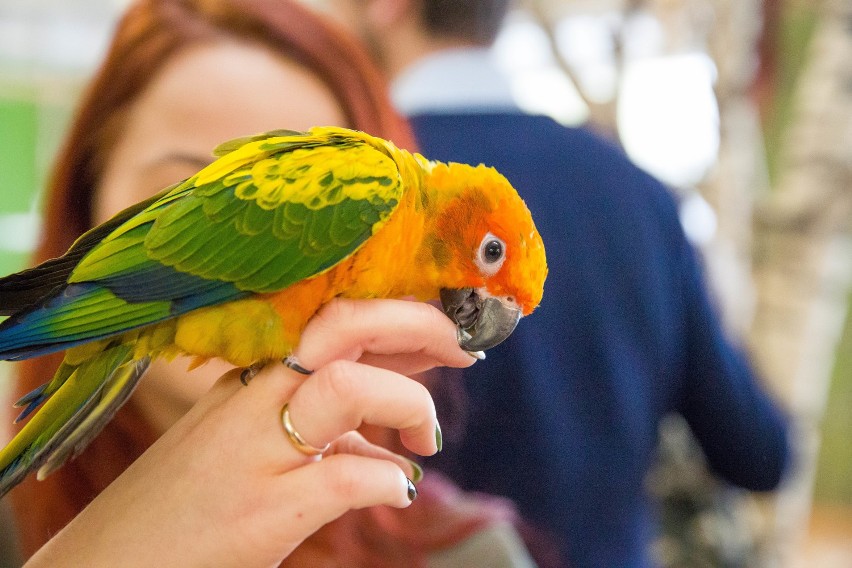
column 338, row 380
column 349, row 442
column 345, row 479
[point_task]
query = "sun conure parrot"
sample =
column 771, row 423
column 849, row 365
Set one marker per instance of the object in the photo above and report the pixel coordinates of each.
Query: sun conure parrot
column 235, row 260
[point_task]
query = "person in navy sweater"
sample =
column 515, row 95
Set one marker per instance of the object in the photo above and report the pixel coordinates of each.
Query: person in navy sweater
column 563, row 417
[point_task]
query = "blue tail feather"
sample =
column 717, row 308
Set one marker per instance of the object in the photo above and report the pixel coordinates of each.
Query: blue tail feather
column 55, row 326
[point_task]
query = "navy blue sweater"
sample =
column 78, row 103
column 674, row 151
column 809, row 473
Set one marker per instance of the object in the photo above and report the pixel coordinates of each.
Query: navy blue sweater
column 563, row 416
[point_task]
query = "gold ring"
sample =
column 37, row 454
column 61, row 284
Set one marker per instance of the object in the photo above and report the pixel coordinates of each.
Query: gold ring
column 296, row 439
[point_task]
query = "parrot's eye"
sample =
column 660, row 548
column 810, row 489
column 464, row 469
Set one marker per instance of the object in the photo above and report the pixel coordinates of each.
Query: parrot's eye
column 492, row 252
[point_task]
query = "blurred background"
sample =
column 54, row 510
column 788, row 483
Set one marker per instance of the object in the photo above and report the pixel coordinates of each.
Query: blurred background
column 744, row 107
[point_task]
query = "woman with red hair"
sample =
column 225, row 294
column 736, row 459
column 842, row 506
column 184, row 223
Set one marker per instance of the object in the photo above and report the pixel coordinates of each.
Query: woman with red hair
column 197, row 469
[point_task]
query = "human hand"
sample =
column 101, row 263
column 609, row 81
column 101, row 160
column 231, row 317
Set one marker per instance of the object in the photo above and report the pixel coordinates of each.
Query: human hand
column 226, row 487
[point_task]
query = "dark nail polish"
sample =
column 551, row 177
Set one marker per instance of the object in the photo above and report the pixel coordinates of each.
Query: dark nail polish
column 412, row 491
column 439, row 438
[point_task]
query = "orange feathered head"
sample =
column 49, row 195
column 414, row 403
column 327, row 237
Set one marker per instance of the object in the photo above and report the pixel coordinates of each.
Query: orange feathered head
column 486, row 244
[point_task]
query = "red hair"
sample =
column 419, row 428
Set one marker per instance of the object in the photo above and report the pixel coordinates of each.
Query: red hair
column 149, row 34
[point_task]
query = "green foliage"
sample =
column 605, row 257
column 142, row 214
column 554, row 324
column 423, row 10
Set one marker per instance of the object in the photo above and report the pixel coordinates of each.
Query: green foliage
column 18, row 121
column 18, row 175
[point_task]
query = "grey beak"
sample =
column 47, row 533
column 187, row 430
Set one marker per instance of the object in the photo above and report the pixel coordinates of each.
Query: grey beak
column 486, row 322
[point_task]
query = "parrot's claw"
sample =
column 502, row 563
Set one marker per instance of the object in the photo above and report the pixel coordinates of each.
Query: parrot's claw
column 250, row 372
column 292, row 363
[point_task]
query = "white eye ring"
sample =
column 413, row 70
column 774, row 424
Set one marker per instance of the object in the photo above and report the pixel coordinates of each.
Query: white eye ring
column 491, row 255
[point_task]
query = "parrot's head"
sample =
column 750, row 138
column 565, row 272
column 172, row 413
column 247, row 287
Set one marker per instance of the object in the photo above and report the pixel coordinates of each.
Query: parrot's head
column 487, row 251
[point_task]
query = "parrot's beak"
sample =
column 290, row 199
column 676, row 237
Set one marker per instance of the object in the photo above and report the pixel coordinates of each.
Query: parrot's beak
column 484, row 322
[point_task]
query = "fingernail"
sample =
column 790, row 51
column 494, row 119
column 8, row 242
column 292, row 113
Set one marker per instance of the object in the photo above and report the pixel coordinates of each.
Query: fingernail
column 480, row 355
column 412, row 491
column 417, row 474
column 439, row 438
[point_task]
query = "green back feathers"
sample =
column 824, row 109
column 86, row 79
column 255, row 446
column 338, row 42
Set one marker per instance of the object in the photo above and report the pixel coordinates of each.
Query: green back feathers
column 272, row 210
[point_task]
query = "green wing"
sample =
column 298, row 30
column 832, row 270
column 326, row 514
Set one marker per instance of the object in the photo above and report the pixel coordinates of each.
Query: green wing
column 271, row 212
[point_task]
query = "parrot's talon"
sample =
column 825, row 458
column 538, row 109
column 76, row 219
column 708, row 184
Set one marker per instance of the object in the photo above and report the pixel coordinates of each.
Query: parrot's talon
column 292, row 363
column 249, row 373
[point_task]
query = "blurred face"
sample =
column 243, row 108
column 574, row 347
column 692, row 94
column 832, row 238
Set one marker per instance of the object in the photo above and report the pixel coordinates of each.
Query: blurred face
column 359, row 17
column 203, row 96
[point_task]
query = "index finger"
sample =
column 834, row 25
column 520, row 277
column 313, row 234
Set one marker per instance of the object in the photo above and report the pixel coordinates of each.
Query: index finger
column 399, row 335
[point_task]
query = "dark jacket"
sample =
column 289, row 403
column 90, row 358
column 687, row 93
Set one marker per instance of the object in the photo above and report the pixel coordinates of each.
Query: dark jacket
column 563, row 417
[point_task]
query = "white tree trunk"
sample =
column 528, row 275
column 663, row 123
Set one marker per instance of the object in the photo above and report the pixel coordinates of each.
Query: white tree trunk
column 803, row 259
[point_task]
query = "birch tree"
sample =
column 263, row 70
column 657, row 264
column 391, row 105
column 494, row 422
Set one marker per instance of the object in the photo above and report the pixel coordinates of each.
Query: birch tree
column 803, row 256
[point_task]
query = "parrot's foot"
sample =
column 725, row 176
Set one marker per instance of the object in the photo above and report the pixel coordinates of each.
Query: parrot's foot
column 294, row 364
column 250, row 372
